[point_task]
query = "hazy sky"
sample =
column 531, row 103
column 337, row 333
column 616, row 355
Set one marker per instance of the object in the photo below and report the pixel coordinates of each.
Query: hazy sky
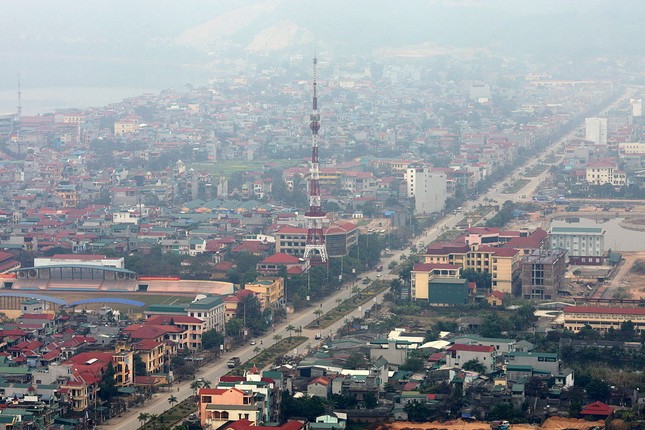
column 161, row 43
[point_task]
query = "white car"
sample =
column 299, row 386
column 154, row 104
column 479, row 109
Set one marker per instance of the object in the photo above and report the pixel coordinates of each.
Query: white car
column 378, row 275
column 253, row 342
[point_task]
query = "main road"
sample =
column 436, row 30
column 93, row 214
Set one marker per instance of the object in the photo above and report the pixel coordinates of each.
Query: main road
column 212, row 372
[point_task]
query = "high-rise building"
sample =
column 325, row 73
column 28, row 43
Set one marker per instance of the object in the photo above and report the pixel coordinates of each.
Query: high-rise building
column 596, row 130
column 637, row 107
column 428, row 189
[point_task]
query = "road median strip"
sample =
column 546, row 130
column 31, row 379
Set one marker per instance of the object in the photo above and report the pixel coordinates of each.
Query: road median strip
column 348, row 306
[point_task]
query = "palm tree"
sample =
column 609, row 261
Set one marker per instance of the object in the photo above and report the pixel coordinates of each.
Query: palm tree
column 153, row 419
column 339, row 301
column 206, row 383
column 356, row 290
column 290, row 328
column 277, row 338
column 299, row 330
column 143, row 417
column 172, row 400
column 318, row 313
column 195, row 386
column 257, row 349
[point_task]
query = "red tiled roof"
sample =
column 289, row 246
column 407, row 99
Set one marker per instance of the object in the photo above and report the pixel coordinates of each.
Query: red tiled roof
column 245, row 424
column 426, row 267
column 472, row 348
column 167, row 319
column 291, row 230
column 320, row 380
column 281, row 258
column 497, row 294
column 146, row 344
column 602, row 310
column 597, row 408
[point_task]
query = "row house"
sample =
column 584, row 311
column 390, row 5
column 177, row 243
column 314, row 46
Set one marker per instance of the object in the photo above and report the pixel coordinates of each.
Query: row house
column 192, row 326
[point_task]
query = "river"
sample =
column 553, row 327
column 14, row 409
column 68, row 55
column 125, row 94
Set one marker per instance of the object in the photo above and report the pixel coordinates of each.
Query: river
column 48, row 99
column 617, row 238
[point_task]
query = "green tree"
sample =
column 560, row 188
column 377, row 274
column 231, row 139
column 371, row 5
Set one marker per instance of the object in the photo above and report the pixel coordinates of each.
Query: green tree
column 413, row 364
column 474, row 365
column 143, row 418
column 290, row 328
column 108, row 388
column 340, row 401
column 370, row 400
column 494, row 325
column 172, row 400
column 419, row 411
column 356, row 360
column 523, row 318
column 627, row 331
column 195, row 386
column 597, row 390
column 139, row 366
column 212, row 339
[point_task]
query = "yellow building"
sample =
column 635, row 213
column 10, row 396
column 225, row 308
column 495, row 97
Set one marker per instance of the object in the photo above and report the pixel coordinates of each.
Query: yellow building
column 269, row 290
column 423, row 273
column 502, row 263
column 602, row 319
column 631, row 147
column 126, row 125
column 123, row 367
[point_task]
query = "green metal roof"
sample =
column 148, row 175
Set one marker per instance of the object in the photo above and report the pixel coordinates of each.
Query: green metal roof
column 174, row 309
column 205, row 303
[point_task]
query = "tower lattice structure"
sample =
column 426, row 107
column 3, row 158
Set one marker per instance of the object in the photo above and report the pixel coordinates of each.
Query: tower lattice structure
column 315, row 249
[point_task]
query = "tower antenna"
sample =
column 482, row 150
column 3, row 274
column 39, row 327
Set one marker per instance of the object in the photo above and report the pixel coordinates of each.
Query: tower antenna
column 315, row 249
column 19, row 98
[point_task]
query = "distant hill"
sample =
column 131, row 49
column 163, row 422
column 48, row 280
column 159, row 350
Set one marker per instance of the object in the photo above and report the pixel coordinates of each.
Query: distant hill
column 152, row 43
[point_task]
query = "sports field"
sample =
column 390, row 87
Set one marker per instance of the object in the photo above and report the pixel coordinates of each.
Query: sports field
column 148, row 299
column 226, row 168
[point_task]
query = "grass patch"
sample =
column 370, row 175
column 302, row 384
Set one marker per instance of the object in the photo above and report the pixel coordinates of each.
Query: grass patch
column 268, row 356
column 448, row 236
column 172, row 417
column 535, row 170
column 515, row 186
column 226, row 168
column 349, row 305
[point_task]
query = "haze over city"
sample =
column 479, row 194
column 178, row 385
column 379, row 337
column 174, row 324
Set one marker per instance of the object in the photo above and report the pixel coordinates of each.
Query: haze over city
column 301, row 215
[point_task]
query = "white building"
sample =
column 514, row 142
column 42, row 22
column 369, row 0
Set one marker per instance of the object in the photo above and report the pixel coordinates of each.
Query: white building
column 605, row 171
column 578, row 241
column 80, row 259
column 637, row 107
column 596, row 130
column 125, row 217
column 428, row 188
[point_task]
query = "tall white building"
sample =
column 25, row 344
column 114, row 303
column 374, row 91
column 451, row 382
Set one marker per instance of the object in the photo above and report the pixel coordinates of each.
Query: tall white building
column 428, row 189
column 637, row 107
column 596, row 130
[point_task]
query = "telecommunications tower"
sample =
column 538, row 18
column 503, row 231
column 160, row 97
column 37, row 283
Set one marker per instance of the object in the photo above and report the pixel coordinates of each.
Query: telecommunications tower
column 315, row 250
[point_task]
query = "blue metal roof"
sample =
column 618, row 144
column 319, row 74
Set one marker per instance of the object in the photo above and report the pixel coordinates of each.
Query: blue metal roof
column 42, row 297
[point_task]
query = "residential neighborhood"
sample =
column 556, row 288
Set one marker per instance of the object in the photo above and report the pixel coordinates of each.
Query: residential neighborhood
column 482, row 252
